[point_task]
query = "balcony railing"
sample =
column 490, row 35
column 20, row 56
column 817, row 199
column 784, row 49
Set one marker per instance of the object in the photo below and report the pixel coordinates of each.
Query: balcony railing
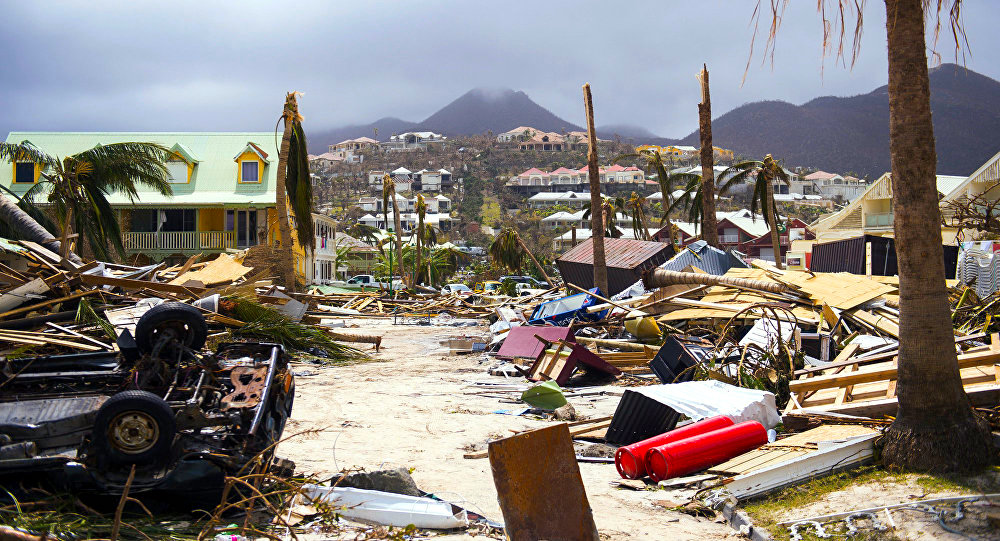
column 180, row 240
column 878, row 220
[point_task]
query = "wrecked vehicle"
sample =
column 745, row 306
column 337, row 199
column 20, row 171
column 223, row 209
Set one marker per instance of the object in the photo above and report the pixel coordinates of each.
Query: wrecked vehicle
column 182, row 417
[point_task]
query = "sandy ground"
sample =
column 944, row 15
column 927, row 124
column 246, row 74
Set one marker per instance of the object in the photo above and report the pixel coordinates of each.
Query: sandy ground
column 412, row 409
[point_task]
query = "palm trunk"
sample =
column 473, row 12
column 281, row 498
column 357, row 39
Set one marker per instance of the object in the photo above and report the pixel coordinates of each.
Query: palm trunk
column 773, row 218
column 662, row 278
column 935, row 427
column 533, row 260
column 399, row 235
column 67, row 229
column 28, row 229
column 286, row 255
column 709, row 226
column 596, row 203
column 420, row 237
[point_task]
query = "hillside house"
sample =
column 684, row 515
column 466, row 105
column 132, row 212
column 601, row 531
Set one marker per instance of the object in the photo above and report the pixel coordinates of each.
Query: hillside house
column 746, row 233
column 409, row 141
column 835, row 186
column 535, row 180
column 350, row 150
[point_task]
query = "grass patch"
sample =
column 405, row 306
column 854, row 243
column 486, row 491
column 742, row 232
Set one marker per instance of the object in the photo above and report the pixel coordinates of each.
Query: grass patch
column 767, row 512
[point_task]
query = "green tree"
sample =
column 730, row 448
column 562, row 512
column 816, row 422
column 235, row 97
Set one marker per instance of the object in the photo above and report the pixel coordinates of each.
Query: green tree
column 508, row 250
column 763, row 173
column 76, row 188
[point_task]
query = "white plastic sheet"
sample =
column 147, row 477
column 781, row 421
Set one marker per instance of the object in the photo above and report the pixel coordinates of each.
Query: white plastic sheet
column 389, row 509
column 702, row 399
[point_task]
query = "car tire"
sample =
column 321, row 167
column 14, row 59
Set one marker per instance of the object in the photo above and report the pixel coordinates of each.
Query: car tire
column 184, row 322
column 134, row 427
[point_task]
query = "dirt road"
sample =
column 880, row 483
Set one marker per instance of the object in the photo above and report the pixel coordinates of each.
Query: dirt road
column 411, row 409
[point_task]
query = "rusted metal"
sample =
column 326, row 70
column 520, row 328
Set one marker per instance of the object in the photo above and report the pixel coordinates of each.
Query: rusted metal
column 626, row 259
column 249, row 385
column 539, row 486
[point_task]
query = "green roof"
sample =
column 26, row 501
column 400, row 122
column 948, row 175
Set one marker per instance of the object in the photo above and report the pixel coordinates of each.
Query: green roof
column 213, row 182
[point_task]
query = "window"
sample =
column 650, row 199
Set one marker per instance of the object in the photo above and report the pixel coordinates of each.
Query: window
column 249, row 171
column 177, row 172
column 24, row 172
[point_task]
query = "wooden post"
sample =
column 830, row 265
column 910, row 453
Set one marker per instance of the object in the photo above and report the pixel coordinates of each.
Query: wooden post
column 709, row 227
column 573, row 235
column 596, row 202
column 868, row 260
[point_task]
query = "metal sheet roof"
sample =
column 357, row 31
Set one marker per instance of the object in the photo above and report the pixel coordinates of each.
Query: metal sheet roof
column 619, row 253
column 213, row 181
column 707, row 258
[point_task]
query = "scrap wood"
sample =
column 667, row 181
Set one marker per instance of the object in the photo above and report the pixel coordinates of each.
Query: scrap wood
column 376, row 340
column 25, row 337
column 661, row 277
column 50, row 302
column 222, row 270
column 129, row 284
column 841, row 290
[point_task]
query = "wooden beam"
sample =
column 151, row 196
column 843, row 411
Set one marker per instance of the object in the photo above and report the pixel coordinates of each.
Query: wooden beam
column 26, row 309
column 136, row 285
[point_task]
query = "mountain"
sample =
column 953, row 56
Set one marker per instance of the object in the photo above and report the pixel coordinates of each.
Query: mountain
column 851, row 134
column 498, row 110
column 626, row 131
column 477, row 111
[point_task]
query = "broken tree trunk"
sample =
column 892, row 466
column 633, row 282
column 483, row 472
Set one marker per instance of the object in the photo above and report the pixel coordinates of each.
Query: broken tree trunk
column 596, row 202
column 709, row 227
column 661, row 278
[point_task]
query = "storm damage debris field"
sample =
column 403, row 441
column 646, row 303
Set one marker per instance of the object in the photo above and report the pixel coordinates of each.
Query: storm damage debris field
column 412, row 409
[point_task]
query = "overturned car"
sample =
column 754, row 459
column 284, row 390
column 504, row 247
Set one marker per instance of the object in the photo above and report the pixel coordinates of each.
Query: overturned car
column 182, row 417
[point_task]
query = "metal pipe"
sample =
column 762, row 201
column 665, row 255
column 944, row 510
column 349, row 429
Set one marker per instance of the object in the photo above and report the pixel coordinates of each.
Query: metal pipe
column 266, row 394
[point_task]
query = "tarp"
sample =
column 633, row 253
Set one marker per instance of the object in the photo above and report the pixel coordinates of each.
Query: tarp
column 702, row 399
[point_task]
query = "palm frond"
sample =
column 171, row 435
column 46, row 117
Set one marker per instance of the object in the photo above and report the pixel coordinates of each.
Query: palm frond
column 298, row 184
column 120, row 167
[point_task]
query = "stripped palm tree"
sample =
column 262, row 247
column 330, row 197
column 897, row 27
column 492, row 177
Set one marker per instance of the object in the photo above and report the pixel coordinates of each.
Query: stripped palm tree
column 763, row 173
column 421, row 209
column 293, row 188
column 76, row 188
column 508, row 250
column 389, row 194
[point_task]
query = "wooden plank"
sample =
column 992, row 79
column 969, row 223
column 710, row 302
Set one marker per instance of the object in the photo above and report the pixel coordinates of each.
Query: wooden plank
column 26, row 309
column 845, row 392
column 39, row 339
column 540, row 488
column 222, row 270
column 882, row 323
column 968, row 360
column 136, row 285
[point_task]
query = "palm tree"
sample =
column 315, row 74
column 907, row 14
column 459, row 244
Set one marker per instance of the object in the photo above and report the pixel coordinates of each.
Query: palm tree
column 764, row 172
column 77, row 186
column 609, row 210
column 294, row 183
column 935, row 428
column 709, row 231
column 389, row 194
column 594, row 177
column 508, row 250
column 634, row 207
column 421, row 209
column 689, row 200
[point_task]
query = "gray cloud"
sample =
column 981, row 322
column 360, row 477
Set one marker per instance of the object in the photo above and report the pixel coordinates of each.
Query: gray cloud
column 222, row 66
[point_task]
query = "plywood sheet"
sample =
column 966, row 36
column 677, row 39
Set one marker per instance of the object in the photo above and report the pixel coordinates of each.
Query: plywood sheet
column 539, row 486
column 841, row 290
column 223, row 270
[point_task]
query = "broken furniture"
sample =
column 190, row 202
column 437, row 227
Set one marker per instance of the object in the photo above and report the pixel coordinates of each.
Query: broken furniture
column 558, row 364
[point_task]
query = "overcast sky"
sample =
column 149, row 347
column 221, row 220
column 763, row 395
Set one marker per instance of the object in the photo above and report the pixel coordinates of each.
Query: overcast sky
column 210, row 66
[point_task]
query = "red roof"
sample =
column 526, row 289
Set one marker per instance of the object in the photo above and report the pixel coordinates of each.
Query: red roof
column 562, row 170
column 615, row 168
column 632, row 168
column 533, row 171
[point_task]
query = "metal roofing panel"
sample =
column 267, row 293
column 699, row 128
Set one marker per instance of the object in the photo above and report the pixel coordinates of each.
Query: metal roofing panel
column 620, row 253
column 213, row 181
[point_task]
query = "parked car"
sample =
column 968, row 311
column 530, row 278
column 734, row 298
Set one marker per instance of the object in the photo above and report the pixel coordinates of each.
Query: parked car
column 525, row 280
column 185, row 419
column 488, row 287
column 526, row 289
column 456, row 289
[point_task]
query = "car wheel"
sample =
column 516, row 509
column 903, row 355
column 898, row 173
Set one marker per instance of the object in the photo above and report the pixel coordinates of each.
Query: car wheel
column 134, row 427
column 173, row 321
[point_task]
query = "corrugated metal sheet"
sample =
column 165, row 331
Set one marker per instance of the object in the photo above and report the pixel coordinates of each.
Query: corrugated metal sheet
column 639, row 417
column 848, row 255
column 707, row 258
column 980, row 269
column 626, row 259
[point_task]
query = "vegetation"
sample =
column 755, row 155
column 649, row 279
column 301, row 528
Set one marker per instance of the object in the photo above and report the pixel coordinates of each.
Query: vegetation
column 293, row 184
column 508, row 250
column 76, row 189
column 763, row 173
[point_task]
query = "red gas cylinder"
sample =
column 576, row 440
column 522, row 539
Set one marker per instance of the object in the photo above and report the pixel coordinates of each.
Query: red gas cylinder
column 704, row 450
column 631, row 459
